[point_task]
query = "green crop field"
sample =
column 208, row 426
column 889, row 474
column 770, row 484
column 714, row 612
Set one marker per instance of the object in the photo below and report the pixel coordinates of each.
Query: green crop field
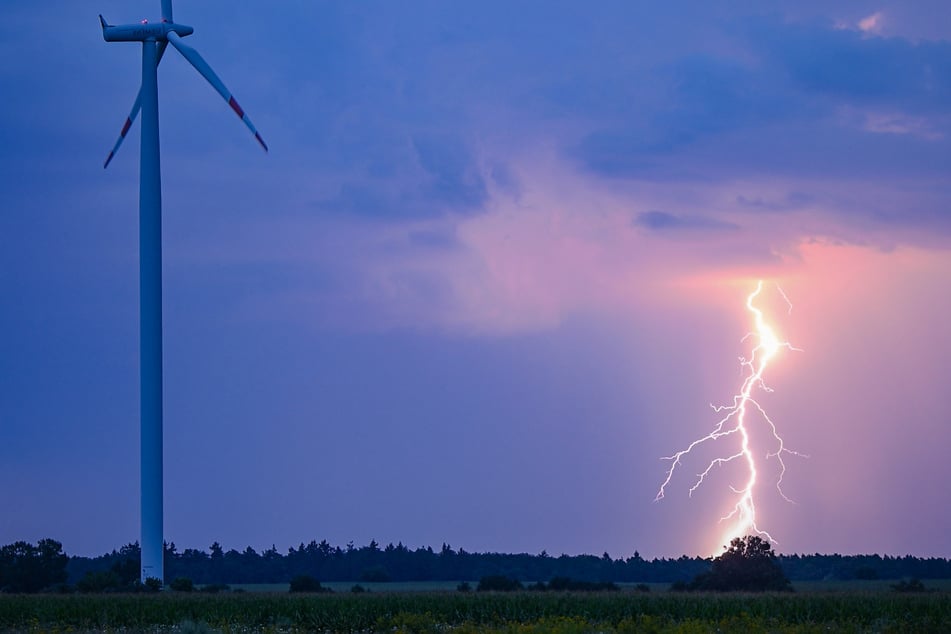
column 859, row 585
column 465, row 613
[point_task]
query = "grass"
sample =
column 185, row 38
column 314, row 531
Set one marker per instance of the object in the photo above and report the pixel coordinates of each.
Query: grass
column 863, row 610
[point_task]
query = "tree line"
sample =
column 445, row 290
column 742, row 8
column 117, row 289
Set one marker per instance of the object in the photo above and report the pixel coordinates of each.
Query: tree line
column 27, row 568
column 397, row 562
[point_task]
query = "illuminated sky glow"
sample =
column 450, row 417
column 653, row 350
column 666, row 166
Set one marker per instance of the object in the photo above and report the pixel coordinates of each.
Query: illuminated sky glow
column 492, row 268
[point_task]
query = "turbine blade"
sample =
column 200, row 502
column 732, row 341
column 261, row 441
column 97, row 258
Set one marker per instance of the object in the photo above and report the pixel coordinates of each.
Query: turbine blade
column 135, row 112
column 167, row 10
column 125, row 128
column 202, row 67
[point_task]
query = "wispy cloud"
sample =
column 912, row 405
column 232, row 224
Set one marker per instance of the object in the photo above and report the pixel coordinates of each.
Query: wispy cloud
column 872, row 23
column 664, row 221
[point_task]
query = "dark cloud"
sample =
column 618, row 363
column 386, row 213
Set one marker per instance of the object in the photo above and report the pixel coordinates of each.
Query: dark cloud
column 664, row 221
column 434, row 239
column 706, row 96
column 711, row 95
column 504, row 179
column 455, row 179
column 848, row 65
column 804, row 100
column 358, row 199
column 789, row 202
column 438, row 174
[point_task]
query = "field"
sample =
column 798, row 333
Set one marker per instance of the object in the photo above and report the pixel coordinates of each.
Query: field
column 471, row 613
column 855, row 585
column 372, row 586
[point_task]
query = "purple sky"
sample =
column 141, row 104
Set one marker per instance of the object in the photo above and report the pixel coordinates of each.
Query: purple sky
column 491, row 271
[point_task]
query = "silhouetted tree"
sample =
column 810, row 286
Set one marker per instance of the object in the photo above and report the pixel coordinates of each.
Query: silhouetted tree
column 28, row 568
column 377, row 574
column 333, row 563
column 127, row 565
column 749, row 564
column 100, row 581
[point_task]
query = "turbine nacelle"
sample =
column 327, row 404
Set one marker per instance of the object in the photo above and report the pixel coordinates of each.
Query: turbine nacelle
column 144, row 31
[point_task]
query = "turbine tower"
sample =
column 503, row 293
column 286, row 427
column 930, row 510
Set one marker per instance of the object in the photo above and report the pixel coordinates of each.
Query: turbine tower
column 155, row 38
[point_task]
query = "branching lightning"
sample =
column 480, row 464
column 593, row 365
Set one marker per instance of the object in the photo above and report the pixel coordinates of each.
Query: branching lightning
column 736, row 423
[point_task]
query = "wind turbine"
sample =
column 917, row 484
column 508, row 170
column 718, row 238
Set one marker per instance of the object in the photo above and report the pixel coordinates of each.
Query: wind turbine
column 155, row 38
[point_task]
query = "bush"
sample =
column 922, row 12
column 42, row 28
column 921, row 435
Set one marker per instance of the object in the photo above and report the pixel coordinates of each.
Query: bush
column 566, row 584
column 910, row 585
column 498, row 583
column 306, row 583
column 152, row 584
column 182, row 584
column 464, row 587
column 358, row 589
column 215, row 588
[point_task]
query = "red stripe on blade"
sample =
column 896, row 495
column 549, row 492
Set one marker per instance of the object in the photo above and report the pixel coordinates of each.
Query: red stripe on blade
column 125, row 128
column 261, row 141
column 234, row 106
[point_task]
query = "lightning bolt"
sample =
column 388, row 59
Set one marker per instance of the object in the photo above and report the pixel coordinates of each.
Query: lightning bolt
column 735, row 422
